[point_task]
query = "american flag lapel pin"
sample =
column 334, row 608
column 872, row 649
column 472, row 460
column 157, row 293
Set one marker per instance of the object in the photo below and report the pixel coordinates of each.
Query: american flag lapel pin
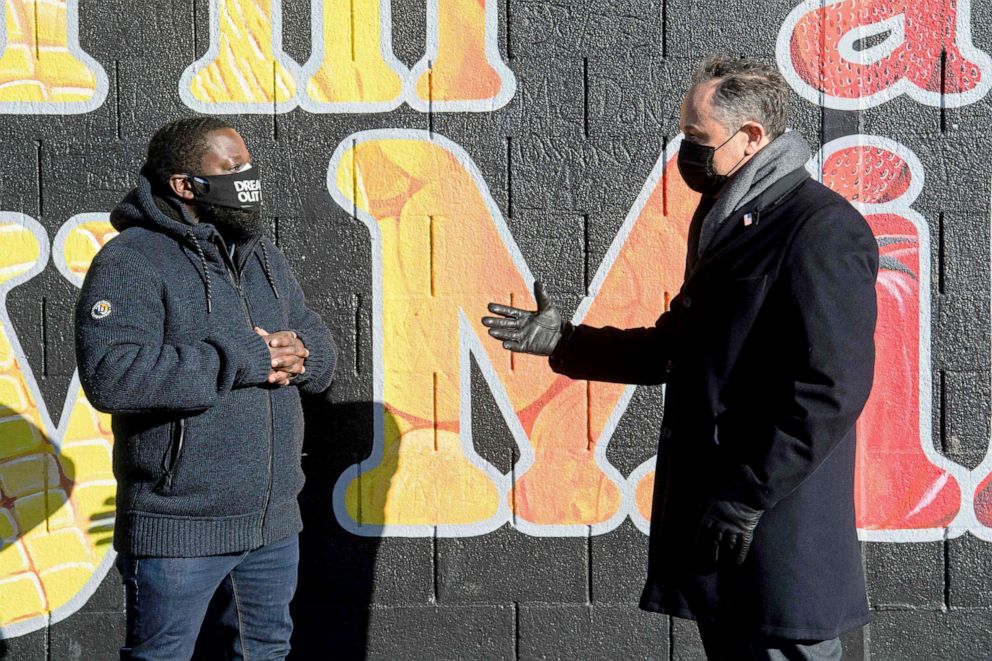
column 748, row 220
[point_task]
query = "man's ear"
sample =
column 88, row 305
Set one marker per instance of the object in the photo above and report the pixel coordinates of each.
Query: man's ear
column 756, row 137
column 182, row 186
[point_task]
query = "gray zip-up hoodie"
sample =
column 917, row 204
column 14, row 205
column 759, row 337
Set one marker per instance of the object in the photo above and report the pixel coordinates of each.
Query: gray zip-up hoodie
column 206, row 453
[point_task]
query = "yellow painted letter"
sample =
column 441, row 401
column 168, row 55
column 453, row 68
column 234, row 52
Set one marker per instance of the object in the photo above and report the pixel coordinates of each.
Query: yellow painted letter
column 245, row 70
column 57, row 486
column 352, row 68
column 42, row 68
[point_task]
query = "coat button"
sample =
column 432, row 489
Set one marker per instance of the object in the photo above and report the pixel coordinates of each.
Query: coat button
column 686, row 302
column 666, row 433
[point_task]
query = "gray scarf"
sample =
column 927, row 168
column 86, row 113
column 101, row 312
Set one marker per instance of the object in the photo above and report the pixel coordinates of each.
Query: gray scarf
column 778, row 158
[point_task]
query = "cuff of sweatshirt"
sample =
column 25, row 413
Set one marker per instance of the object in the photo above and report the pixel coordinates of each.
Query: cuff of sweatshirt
column 245, row 358
column 319, row 364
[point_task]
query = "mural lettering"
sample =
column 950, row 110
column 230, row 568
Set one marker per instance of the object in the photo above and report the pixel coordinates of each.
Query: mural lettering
column 905, row 488
column 442, row 250
column 42, row 68
column 983, row 494
column 850, row 54
column 56, row 482
column 352, row 67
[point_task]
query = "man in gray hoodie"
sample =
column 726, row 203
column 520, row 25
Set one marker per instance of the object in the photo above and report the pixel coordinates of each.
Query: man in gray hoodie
column 193, row 333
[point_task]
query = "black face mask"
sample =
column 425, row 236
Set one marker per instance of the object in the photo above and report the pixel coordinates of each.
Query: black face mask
column 696, row 167
column 235, row 225
column 240, row 190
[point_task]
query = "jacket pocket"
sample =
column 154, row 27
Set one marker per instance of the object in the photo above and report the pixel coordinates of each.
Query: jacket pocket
column 172, row 458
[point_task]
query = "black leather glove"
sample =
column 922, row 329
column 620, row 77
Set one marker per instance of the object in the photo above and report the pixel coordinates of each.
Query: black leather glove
column 528, row 332
column 725, row 532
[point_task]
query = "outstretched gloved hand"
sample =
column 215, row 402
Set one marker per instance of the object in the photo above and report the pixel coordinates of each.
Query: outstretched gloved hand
column 725, row 532
column 528, row 332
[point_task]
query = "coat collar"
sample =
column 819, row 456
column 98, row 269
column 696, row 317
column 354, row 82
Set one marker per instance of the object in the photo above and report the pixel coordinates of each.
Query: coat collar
column 734, row 230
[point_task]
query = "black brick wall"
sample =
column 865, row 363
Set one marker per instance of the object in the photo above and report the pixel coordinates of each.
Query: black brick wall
column 599, row 85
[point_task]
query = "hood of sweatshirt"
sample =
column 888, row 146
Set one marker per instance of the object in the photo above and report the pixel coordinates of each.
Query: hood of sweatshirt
column 141, row 207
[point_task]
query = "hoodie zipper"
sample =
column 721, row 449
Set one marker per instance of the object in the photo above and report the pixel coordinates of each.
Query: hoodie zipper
column 175, row 451
column 236, row 281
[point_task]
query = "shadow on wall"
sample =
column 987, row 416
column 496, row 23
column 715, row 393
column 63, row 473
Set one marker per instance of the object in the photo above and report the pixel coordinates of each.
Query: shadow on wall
column 337, row 568
column 35, row 487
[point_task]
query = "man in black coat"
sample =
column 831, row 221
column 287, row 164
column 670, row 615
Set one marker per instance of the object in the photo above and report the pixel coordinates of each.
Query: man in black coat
column 768, row 357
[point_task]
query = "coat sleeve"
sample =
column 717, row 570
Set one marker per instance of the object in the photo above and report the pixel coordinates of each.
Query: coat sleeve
column 311, row 329
column 125, row 366
column 632, row 355
column 829, row 279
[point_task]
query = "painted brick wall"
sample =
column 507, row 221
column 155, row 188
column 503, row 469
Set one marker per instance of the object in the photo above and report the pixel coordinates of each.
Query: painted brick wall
column 462, row 554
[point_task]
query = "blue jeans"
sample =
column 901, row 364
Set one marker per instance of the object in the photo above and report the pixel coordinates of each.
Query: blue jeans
column 167, row 599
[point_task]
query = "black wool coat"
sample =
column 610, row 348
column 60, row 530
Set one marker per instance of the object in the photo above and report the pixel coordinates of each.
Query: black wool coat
column 768, row 357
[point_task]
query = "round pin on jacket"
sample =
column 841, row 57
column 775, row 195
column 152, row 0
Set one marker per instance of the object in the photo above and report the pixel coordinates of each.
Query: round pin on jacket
column 101, row 309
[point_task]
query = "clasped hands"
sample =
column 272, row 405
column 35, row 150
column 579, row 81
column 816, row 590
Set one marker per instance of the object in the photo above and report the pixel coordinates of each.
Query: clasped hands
column 287, row 353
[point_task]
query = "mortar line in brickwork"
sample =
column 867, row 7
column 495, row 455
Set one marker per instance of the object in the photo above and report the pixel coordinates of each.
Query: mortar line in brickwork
column 41, row 201
column 193, row 23
column 585, row 252
column 430, row 98
column 513, row 487
column 664, row 28
column 585, row 97
column 434, row 563
column 942, row 398
column 37, row 36
column 354, row 179
column 117, row 96
column 943, row 91
column 44, row 335
column 516, row 629
column 509, row 177
column 357, row 299
column 947, row 571
column 433, row 265
column 509, row 48
column 589, row 565
column 664, row 178
column 590, row 441
column 671, row 638
column 823, row 129
column 940, row 252
column 434, row 403
column 48, row 504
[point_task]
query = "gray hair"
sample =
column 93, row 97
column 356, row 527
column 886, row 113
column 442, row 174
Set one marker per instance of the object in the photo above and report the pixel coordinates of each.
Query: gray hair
column 746, row 91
